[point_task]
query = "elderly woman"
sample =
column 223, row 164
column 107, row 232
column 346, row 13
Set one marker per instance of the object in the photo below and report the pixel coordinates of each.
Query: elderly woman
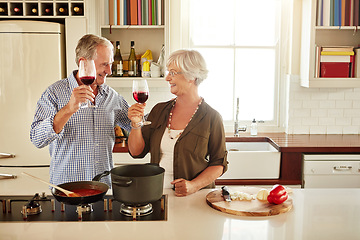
column 186, row 136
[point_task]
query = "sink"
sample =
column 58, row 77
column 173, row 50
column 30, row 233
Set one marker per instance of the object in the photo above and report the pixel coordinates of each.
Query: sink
column 250, row 146
column 252, row 160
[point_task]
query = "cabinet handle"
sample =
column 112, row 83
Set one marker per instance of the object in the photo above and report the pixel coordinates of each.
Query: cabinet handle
column 342, row 168
column 7, row 155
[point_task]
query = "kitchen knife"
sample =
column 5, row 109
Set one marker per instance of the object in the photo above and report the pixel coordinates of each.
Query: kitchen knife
column 226, row 194
column 7, row 176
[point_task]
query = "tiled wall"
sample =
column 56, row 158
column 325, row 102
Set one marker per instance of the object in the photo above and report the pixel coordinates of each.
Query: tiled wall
column 322, row 110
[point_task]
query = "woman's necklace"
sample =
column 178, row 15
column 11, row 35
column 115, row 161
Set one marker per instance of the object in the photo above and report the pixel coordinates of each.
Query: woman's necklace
column 170, row 116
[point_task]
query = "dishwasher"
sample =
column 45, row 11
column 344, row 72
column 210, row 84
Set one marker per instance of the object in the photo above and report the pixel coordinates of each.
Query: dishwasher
column 331, row 170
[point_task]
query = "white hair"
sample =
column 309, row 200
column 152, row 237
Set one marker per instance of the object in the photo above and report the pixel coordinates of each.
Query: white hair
column 191, row 63
column 87, row 46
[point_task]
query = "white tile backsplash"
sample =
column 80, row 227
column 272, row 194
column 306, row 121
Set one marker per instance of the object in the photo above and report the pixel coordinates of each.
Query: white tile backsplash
column 323, row 110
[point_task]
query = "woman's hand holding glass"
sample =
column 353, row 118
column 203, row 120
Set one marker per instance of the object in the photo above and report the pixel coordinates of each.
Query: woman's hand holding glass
column 140, row 92
column 135, row 114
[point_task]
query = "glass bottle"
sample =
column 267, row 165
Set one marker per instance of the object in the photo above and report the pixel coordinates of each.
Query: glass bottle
column 132, row 61
column 117, row 67
column 253, row 128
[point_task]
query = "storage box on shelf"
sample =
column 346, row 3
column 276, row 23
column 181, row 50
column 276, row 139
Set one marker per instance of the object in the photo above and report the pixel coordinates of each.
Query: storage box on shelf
column 44, row 9
column 312, row 36
column 146, row 37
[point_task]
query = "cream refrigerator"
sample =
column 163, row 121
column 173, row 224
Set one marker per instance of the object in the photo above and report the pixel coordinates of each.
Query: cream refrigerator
column 32, row 57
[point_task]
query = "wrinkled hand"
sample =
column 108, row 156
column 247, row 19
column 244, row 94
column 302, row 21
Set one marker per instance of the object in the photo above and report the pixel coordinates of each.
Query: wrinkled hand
column 80, row 95
column 184, row 187
column 136, row 112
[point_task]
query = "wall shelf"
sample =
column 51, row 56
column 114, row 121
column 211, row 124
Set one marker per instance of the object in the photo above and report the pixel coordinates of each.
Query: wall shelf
column 42, row 9
column 313, row 36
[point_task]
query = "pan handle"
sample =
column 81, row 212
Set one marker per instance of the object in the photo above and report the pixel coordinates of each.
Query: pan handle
column 122, row 181
column 101, row 175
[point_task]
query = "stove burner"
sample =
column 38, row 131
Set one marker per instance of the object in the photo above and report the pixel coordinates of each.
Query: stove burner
column 86, row 208
column 27, row 208
column 32, row 208
column 138, row 210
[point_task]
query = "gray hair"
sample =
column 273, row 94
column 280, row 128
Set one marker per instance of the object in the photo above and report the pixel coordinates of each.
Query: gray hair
column 87, row 46
column 191, row 63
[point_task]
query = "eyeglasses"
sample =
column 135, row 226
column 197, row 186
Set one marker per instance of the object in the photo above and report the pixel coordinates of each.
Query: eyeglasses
column 172, row 73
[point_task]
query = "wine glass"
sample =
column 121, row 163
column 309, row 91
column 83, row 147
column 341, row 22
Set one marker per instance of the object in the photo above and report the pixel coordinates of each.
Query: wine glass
column 140, row 92
column 87, row 74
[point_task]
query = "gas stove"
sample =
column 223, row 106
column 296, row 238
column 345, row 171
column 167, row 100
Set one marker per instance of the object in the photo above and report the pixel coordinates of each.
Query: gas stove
column 45, row 208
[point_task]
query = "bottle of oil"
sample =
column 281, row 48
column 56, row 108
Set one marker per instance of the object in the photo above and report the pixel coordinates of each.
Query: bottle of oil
column 132, row 61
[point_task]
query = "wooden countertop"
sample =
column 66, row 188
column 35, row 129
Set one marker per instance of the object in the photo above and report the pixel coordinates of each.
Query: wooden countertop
column 331, row 143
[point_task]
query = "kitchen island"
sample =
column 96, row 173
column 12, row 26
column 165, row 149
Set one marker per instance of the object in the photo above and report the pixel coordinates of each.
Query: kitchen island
column 316, row 214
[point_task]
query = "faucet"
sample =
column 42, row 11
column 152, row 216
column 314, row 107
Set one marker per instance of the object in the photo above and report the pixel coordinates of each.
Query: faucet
column 237, row 129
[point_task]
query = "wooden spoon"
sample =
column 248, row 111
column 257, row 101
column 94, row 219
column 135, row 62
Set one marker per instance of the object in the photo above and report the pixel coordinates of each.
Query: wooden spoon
column 67, row 192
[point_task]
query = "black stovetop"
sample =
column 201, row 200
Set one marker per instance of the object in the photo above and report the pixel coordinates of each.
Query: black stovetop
column 106, row 209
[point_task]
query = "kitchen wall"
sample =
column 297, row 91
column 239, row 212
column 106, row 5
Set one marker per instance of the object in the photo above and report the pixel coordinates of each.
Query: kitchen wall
column 308, row 110
column 322, row 110
column 318, row 110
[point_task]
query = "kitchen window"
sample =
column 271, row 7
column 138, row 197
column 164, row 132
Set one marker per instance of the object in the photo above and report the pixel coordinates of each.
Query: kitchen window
column 243, row 44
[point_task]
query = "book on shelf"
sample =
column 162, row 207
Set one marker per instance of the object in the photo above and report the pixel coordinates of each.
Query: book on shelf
column 335, row 62
column 352, row 66
column 125, row 19
column 145, row 12
column 154, row 12
column 118, row 15
column 335, row 69
column 150, row 12
column 317, row 61
column 337, row 48
column 356, row 64
column 111, row 12
column 335, row 58
column 337, row 13
column 139, row 11
column 336, row 53
column 135, row 12
column 356, row 13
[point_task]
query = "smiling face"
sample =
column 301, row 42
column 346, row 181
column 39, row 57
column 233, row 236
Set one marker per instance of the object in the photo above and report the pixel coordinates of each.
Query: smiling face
column 179, row 85
column 103, row 61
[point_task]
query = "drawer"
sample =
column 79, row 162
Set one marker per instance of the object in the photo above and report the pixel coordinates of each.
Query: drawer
column 331, row 167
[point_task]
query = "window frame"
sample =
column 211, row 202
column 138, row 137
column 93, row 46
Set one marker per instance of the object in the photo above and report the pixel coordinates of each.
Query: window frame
column 282, row 61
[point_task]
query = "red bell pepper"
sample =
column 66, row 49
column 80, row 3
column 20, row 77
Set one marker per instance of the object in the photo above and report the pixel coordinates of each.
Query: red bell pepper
column 277, row 195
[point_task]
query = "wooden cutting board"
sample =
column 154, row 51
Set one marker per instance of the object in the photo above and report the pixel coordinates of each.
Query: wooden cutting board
column 246, row 208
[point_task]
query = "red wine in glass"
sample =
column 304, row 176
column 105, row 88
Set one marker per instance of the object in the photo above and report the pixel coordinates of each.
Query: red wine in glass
column 141, row 97
column 87, row 73
column 140, row 92
column 87, row 80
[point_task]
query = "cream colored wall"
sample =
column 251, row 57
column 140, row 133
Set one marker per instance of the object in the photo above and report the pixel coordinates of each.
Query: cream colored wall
column 296, row 38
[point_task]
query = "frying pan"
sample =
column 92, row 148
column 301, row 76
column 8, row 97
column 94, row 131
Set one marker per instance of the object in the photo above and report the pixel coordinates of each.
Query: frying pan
column 94, row 184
